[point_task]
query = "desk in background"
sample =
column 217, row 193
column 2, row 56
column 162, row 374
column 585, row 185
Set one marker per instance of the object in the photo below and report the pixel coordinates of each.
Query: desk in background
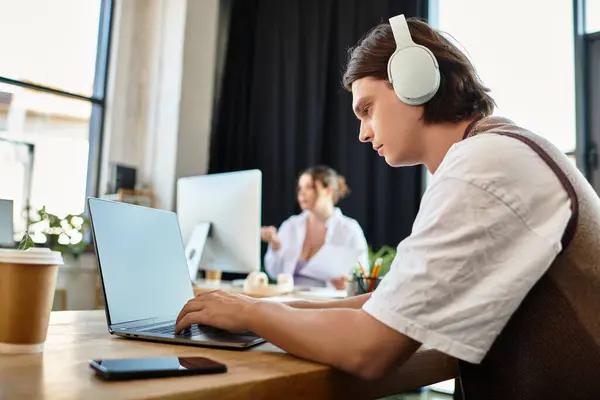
column 264, row 372
column 318, row 293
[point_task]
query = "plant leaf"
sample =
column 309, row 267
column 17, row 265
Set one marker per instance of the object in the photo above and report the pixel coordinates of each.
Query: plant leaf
column 26, row 242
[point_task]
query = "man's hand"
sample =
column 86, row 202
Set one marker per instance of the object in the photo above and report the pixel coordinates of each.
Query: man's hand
column 228, row 311
column 318, row 335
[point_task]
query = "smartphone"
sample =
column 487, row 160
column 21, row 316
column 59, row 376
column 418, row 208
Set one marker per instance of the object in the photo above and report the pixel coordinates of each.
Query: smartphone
column 141, row 368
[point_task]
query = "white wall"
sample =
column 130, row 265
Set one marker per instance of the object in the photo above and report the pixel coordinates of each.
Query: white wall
column 161, row 82
column 159, row 105
column 196, row 107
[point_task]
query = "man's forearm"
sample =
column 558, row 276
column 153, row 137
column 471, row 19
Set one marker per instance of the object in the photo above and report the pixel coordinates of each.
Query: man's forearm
column 348, row 339
column 295, row 331
column 350, row 302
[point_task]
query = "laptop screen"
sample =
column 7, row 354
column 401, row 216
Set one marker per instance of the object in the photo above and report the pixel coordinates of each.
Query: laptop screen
column 142, row 261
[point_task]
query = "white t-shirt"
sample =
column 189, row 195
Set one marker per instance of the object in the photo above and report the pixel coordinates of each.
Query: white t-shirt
column 489, row 226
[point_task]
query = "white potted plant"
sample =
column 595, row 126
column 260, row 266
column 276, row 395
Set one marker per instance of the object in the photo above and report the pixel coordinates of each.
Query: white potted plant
column 380, row 262
column 66, row 235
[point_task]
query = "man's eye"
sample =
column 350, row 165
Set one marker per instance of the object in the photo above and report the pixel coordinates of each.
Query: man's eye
column 366, row 110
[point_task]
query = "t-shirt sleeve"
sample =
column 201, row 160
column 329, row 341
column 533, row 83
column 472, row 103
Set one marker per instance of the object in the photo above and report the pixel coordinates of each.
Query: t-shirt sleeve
column 464, row 270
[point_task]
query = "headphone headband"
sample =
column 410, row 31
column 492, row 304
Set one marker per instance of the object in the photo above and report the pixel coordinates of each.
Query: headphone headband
column 400, row 31
column 412, row 69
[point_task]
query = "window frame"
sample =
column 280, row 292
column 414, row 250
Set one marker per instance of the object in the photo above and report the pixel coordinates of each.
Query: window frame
column 592, row 98
column 585, row 153
column 97, row 100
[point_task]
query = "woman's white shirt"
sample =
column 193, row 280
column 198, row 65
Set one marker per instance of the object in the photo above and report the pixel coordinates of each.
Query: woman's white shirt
column 341, row 231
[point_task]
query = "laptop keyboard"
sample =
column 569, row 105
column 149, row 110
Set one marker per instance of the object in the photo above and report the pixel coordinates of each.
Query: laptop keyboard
column 196, row 330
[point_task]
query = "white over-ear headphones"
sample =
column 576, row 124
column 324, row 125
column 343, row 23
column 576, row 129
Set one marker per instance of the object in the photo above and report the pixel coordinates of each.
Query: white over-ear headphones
column 412, row 70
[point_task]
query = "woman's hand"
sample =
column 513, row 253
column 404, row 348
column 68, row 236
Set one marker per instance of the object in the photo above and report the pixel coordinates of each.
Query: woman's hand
column 269, row 234
column 340, row 283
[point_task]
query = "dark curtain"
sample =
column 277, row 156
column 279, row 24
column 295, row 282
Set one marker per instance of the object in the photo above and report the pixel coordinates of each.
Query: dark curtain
column 281, row 108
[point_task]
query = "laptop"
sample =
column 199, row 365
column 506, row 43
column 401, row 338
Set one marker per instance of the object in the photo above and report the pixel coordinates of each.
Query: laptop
column 144, row 275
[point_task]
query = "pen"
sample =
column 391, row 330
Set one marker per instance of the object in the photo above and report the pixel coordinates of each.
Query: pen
column 374, row 274
column 362, row 269
column 362, row 278
column 376, row 268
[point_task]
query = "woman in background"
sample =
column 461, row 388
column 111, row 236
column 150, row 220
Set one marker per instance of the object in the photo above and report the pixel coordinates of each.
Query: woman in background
column 301, row 236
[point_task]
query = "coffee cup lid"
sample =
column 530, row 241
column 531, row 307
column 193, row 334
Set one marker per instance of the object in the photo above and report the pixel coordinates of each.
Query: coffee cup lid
column 34, row 255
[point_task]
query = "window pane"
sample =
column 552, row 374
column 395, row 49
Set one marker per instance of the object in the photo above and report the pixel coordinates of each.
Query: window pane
column 58, row 129
column 50, row 43
column 16, row 160
column 525, row 59
column 592, row 15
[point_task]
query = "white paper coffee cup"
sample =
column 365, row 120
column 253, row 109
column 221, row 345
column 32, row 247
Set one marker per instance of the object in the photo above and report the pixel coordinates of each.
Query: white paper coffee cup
column 27, row 285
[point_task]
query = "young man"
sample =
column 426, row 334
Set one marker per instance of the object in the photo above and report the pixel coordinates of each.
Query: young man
column 502, row 269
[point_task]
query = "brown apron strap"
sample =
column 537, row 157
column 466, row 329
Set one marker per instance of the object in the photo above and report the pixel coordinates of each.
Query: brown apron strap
column 470, row 127
column 572, row 224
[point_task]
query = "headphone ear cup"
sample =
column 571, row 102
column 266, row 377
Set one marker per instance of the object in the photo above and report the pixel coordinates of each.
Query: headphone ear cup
column 413, row 72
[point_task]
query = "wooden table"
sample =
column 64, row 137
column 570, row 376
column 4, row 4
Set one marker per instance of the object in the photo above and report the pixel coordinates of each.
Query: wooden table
column 265, row 372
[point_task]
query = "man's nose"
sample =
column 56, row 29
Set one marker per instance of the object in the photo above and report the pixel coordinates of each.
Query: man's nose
column 365, row 134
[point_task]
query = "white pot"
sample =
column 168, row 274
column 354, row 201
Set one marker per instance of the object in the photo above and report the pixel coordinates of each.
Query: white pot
column 76, row 278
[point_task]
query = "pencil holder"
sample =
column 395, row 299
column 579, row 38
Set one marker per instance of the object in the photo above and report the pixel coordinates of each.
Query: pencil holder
column 360, row 285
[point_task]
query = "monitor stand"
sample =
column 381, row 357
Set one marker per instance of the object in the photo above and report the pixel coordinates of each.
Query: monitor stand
column 233, row 276
column 195, row 248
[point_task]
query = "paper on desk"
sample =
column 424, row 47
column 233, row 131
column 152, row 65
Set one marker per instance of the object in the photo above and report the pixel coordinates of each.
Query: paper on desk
column 280, row 299
column 330, row 262
column 324, row 293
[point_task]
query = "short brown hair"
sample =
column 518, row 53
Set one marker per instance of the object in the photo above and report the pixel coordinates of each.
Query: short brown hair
column 329, row 178
column 461, row 95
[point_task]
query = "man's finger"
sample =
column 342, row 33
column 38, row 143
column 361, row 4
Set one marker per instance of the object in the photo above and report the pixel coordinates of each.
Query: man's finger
column 193, row 304
column 190, row 306
column 188, row 320
column 200, row 298
column 183, row 312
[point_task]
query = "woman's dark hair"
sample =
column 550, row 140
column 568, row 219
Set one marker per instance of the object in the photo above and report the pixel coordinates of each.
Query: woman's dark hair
column 461, row 95
column 329, row 178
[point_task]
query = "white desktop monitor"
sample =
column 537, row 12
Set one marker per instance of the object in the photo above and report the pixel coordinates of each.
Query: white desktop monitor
column 231, row 203
column 6, row 223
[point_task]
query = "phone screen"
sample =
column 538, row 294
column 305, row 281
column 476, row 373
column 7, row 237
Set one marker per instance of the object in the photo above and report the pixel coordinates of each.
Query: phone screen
column 164, row 366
